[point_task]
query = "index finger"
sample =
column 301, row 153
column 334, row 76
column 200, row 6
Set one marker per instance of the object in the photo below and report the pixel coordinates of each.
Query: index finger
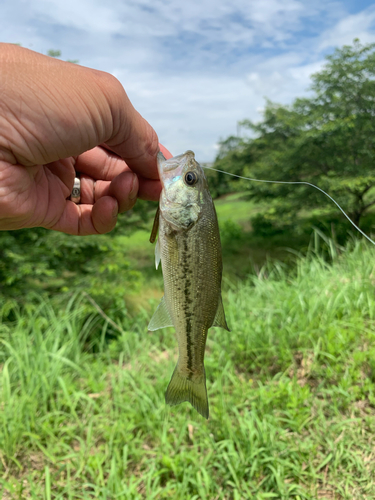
column 102, row 164
column 135, row 141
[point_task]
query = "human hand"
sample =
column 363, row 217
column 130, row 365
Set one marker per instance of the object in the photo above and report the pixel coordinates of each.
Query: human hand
column 58, row 118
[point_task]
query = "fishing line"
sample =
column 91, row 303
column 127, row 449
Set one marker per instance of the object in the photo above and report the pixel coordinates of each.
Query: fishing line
column 297, row 182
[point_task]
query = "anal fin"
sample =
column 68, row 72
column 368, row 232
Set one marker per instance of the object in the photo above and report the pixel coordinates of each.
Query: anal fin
column 220, row 319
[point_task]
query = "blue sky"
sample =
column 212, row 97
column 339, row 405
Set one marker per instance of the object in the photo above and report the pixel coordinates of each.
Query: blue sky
column 194, row 69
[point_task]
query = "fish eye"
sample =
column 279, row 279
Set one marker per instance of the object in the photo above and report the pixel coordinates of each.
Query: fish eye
column 191, row 178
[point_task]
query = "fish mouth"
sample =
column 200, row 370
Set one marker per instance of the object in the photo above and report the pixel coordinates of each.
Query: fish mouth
column 166, row 166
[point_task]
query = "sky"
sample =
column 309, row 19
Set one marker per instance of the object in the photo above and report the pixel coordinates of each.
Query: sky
column 195, row 68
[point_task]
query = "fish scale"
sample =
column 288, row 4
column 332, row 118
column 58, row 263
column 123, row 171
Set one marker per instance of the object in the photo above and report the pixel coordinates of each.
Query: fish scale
column 190, row 253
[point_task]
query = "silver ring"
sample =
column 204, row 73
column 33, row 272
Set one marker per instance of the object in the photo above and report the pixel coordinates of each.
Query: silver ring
column 75, row 195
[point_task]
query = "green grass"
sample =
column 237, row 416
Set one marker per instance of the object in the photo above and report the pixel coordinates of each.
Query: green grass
column 236, row 207
column 291, row 391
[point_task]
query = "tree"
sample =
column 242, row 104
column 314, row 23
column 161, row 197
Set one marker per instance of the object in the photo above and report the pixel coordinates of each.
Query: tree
column 228, row 159
column 326, row 139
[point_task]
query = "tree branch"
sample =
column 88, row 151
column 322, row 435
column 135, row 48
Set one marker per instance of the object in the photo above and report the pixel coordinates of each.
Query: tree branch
column 369, row 205
column 101, row 312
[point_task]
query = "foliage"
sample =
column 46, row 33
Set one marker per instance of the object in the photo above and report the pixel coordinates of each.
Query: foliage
column 230, row 231
column 325, row 139
column 229, row 159
column 49, row 263
column 291, row 390
column 54, row 53
column 57, row 54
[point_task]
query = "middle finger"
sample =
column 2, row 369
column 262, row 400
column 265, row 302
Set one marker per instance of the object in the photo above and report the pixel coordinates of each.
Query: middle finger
column 100, row 164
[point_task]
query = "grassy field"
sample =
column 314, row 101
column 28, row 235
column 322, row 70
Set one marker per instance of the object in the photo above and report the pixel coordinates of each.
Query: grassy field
column 291, row 391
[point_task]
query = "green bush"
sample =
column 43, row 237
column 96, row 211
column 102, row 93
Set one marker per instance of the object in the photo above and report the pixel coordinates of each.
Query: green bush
column 230, row 232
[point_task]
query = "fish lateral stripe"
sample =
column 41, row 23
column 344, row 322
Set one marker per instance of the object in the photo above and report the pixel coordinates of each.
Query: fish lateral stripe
column 188, row 301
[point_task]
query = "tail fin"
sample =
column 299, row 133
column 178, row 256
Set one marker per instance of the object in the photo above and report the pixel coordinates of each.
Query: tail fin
column 182, row 389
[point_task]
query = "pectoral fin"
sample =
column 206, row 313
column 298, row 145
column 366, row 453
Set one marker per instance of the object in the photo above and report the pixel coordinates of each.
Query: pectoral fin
column 220, row 316
column 161, row 317
column 155, row 227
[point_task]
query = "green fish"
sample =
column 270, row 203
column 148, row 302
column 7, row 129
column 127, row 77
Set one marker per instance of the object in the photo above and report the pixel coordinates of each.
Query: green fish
column 190, row 253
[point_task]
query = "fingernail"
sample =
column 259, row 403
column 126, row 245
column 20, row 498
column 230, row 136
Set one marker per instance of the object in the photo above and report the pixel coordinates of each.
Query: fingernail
column 115, row 210
column 134, row 190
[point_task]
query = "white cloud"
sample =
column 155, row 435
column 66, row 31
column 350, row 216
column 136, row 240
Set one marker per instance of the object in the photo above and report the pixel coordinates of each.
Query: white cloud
column 193, row 69
column 191, row 112
column 360, row 25
column 283, row 78
column 84, row 15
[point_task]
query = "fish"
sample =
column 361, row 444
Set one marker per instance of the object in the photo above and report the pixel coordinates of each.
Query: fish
column 189, row 250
